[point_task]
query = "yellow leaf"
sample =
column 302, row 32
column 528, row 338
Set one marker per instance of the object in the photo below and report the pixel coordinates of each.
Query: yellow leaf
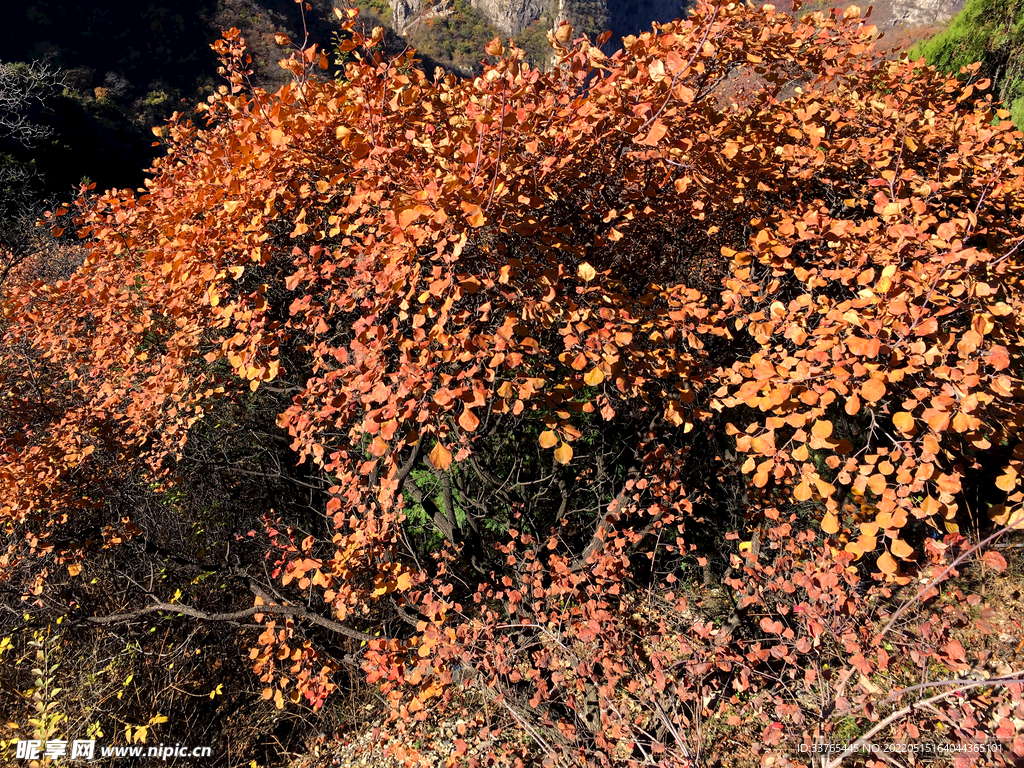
column 904, row 422
column 548, row 439
column 593, row 377
column 586, row 272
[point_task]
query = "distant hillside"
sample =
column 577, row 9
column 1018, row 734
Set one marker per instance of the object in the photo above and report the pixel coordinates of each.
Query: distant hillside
column 128, row 65
column 430, row 23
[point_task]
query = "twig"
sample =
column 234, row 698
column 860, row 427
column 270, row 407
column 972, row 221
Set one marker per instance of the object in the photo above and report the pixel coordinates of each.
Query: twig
column 866, row 738
column 184, row 610
column 934, row 582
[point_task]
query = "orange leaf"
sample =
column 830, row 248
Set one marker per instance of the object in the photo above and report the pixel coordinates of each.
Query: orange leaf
column 440, row 457
column 887, row 565
column 855, row 549
column 548, row 439
column 404, row 581
column 468, row 420
column 904, row 422
column 822, row 429
column 474, row 214
column 830, row 523
column 1008, row 481
column 656, row 134
column 408, row 216
column 939, row 421
column 802, row 492
column 873, row 390
column 901, row 549
column 593, row 377
column 563, row 453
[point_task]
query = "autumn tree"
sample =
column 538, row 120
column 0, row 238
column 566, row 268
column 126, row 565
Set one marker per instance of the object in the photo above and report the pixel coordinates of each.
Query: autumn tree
column 537, row 341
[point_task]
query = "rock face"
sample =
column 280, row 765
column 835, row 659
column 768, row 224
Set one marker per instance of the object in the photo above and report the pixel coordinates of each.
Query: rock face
column 403, row 12
column 916, row 13
column 630, row 17
column 510, row 17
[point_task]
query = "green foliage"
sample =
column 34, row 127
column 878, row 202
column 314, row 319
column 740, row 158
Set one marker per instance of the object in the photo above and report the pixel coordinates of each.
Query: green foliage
column 379, row 8
column 989, row 31
column 455, row 41
column 587, row 17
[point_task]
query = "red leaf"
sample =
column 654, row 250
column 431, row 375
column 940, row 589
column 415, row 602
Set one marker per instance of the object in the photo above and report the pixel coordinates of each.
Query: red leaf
column 994, row 560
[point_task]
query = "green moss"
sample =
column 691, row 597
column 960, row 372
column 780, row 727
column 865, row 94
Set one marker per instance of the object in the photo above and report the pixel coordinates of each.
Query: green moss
column 989, row 31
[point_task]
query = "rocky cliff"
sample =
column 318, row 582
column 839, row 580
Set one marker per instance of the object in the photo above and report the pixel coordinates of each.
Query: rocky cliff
column 511, row 17
column 919, row 13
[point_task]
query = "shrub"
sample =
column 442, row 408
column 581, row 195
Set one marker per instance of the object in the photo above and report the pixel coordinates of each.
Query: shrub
column 582, row 322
